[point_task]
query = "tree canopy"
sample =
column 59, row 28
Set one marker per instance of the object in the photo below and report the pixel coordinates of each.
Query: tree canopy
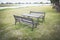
column 56, row 4
column 54, row 1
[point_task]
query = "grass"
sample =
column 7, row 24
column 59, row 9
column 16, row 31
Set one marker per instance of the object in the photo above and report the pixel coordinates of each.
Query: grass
column 48, row 30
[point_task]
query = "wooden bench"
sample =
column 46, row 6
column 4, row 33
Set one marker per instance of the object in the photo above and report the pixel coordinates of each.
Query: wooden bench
column 25, row 20
column 42, row 14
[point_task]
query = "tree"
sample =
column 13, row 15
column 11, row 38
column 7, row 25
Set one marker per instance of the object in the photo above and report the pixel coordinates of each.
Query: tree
column 56, row 4
column 2, row 3
column 41, row 2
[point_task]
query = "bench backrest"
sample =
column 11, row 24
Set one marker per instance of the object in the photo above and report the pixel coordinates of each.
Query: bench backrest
column 37, row 13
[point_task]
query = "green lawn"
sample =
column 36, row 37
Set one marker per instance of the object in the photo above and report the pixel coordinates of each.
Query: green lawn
column 48, row 30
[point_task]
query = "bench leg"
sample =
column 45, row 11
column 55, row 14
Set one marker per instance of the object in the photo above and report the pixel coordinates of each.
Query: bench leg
column 43, row 18
column 32, row 27
column 36, row 25
column 37, row 21
column 19, row 21
column 15, row 22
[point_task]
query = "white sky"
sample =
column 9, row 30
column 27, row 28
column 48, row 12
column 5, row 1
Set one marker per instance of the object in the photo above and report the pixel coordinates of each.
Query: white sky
column 23, row 0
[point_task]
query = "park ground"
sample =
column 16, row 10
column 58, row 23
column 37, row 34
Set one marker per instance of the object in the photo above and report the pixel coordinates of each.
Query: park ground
column 48, row 30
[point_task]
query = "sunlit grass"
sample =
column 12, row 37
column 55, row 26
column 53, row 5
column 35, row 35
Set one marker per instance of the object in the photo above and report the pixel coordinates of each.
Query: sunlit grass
column 48, row 30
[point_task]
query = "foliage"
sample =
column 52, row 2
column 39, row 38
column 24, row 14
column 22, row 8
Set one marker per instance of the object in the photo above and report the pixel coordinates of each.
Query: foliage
column 54, row 1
